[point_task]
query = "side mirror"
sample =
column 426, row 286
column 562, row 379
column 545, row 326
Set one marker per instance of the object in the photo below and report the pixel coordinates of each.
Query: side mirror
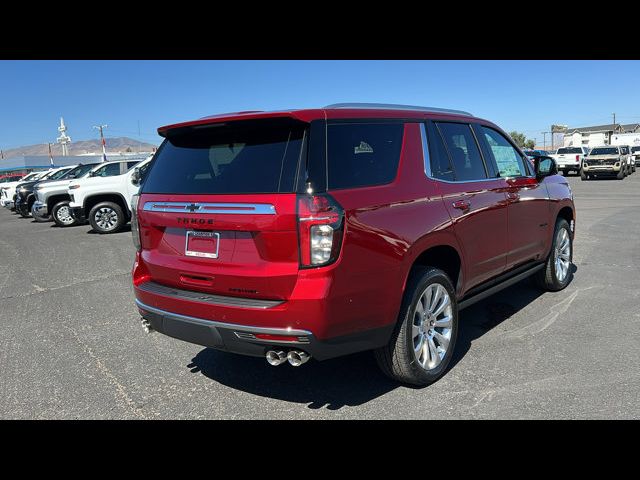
column 135, row 176
column 545, row 166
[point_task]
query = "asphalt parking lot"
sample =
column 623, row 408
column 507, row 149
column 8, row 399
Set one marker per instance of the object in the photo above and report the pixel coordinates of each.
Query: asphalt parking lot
column 72, row 346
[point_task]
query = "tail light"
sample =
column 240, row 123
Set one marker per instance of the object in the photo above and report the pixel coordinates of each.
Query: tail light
column 135, row 228
column 320, row 229
column 577, row 158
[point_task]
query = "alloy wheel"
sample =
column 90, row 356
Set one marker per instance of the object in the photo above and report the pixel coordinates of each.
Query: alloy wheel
column 64, row 215
column 563, row 255
column 106, row 218
column 432, row 326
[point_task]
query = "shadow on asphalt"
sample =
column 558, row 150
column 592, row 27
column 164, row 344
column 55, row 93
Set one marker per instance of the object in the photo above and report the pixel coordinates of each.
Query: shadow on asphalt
column 125, row 229
column 355, row 379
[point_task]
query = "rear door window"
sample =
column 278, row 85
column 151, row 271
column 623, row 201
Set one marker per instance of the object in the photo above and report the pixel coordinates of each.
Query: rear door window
column 363, row 154
column 250, row 157
column 463, row 150
column 108, row 170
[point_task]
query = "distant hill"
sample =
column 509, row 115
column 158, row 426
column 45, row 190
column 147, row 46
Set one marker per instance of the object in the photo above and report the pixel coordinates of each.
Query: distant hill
column 114, row 145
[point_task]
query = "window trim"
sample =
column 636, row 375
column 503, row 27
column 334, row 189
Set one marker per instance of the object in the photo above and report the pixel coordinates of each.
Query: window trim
column 427, row 158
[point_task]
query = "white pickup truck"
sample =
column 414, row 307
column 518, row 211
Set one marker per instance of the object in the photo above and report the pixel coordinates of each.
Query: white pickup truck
column 106, row 201
column 570, row 159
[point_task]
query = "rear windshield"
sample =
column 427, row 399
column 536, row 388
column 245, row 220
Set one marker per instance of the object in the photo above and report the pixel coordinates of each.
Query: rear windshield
column 569, row 150
column 635, row 149
column 246, row 157
column 604, row 151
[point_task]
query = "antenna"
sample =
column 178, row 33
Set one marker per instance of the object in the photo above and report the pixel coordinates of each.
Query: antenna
column 63, row 139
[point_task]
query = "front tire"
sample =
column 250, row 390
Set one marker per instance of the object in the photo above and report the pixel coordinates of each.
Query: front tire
column 423, row 342
column 107, row 217
column 556, row 273
column 621, row 174
column 583, row 175
column 61, row 214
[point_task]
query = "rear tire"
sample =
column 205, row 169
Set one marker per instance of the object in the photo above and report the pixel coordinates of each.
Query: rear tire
column 424, row 339
column 556, row 273
column 61, row 214
column 583, row 175
column 107, row 217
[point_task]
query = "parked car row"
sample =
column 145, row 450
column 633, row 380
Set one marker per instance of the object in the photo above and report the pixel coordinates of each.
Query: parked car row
column 98, row 194
column 602, row 161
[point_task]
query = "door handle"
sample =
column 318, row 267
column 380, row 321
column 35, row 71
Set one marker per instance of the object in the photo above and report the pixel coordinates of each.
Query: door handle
column 462, row 204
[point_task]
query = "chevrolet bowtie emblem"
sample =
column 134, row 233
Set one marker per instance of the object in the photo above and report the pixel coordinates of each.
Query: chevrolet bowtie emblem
column 193, row 207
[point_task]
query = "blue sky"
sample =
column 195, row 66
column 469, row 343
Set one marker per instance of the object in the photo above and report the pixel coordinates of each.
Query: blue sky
column 527, row 96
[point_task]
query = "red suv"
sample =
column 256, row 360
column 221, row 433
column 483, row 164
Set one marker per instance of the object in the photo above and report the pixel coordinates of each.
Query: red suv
column 324, row 232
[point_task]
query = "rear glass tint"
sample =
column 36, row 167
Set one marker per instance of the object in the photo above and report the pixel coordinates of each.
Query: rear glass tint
column 464, row 152
column 256, row 157
column 361, row 155
column 569, row 150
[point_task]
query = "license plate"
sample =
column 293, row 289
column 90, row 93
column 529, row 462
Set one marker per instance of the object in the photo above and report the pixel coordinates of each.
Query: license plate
column 202, row 244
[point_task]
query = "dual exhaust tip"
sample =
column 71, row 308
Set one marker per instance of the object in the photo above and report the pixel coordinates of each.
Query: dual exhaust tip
column 274, row 357
column 294, row 357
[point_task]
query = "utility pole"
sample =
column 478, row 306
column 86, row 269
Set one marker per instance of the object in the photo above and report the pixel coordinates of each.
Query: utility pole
column 544, row 139
column 104, row 149
column 613, row 130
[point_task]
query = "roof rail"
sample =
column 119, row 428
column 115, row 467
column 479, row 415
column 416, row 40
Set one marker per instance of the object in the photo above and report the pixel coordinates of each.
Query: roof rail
column 392, row 106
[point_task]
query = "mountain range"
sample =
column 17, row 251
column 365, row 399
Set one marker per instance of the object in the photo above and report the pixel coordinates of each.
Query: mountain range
column 114, row 145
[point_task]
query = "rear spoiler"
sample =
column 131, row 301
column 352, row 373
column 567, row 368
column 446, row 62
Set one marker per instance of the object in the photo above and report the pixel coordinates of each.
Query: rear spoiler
column 304, row 116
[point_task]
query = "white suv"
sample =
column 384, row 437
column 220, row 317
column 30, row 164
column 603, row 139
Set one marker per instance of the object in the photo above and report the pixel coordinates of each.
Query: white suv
column 105, row 202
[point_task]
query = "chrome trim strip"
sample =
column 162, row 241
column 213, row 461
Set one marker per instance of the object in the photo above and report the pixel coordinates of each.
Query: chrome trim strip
column 210, row 208
column 302, row 340
column 425, row 150
column 231, row 326
column 427, row 163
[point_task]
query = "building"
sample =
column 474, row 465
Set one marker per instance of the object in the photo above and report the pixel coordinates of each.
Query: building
column 599, row 135
column 43, row 162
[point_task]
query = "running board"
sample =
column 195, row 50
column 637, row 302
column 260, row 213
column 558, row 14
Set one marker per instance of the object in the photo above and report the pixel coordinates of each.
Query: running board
column 487, row 292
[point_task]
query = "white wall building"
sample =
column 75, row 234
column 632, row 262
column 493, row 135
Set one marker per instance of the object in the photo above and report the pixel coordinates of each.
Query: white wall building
column 601, row 135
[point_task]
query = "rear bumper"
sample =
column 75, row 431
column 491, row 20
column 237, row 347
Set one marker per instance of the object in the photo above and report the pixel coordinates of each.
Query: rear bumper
column 569, row 166
column 241, row 339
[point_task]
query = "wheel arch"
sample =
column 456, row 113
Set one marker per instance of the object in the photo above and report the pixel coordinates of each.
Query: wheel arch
column 440, row 251
column 93, row 200
column 53, row 200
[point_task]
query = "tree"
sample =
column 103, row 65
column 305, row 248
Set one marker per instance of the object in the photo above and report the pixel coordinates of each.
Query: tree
column 129, row 149
column 530, row 144
column 519, row 138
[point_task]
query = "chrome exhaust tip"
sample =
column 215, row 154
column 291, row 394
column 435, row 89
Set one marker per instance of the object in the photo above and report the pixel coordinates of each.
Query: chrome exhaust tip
column 276, row 358
column 146, row 325
column 297, row 357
